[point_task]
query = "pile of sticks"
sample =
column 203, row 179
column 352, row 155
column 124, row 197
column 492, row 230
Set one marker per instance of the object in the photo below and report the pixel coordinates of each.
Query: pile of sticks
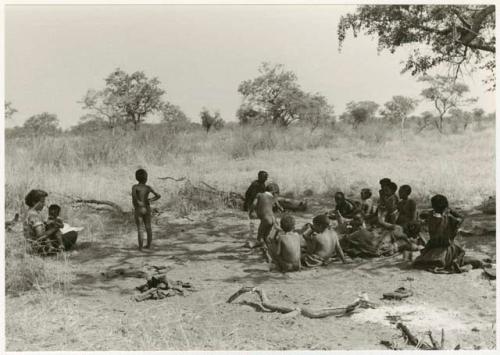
column 416, row 342
column 159, row 286
column 267, row 306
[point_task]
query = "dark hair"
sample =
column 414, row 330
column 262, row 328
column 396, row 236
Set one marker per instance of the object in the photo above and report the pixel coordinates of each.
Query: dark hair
column 405, row 188
column 273, row 188
column 384, row 181
column 141, row 175
column 439, row 203
column 367, row 192
column 56, row 209
column 321, row 220
column 339, row 194
column 262, row 175
column 34, row 196
column 393, row 186
column 287, row 223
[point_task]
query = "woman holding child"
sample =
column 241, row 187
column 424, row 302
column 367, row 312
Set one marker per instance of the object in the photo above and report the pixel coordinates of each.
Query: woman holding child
column 43, row 237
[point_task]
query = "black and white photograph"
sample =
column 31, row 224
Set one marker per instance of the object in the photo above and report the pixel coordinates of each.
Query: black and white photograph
column 249, row 176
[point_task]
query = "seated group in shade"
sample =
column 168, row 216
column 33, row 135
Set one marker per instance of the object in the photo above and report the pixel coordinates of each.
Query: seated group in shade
column 358, row 229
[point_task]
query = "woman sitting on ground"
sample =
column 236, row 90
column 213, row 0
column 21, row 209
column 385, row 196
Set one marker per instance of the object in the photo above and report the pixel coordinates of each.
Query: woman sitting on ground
column 441, row 251
column 44, row 239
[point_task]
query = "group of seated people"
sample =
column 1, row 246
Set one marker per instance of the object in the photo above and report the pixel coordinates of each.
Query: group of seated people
column 362, row 228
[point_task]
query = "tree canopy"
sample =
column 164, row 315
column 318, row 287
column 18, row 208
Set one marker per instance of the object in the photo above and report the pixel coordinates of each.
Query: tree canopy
column 453, row 34
column 126, row 97
column 275, row 97
column 446, row 94
column 398, row 109
column 43, row 123
column 211, row 120
column 359, row 112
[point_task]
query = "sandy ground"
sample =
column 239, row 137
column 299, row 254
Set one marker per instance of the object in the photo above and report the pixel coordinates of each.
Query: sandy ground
column 98, row 311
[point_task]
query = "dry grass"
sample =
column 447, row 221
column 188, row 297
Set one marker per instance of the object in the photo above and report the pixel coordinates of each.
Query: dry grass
column 460, row 166
column 102, row 167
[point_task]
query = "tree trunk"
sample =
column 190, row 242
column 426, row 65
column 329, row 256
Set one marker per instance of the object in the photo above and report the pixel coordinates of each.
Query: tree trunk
column 403, row 128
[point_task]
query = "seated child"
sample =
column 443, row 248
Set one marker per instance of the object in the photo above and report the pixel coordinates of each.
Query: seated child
column 53, row 220
column 368, row 207
column 343, row 206
column 322, row 243
column 387, row 212
column 286, row 246
column 407, row 207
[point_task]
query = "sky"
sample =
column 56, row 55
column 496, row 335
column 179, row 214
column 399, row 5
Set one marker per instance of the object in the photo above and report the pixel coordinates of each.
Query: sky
column 55, row 53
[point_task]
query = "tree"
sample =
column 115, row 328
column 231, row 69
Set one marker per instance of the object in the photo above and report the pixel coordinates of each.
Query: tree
column 398, row 109
column 209, row 120
column 44, row 123
column 275, row 97
column 9, row 110
column 461, row 116
column 89, row 124
column 359, row 112
column 316, row 111
column 128, row 97
column 104, row 106
column 478, row 116
column 446, row 94
column 172, row 113
column 453, row 34
column 425, row 120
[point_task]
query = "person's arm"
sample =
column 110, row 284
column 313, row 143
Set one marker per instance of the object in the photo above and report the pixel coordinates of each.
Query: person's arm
column 382, row 222
column 339, row 251
column 278, row 205
column 278, row 246
column 156, row 196
column 253, row 206
column 412, row 209
column 42, row 233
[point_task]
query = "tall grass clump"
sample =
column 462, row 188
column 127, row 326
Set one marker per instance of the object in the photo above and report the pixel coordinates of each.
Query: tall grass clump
column 24, row 271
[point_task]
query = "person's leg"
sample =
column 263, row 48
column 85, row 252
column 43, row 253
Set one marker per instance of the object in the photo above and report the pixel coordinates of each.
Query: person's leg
column 138, row 218
column 69, row 239
column 262, row 234
column 147, row 223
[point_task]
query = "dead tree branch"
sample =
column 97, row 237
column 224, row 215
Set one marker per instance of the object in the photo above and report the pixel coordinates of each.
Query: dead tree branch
column 306, row 312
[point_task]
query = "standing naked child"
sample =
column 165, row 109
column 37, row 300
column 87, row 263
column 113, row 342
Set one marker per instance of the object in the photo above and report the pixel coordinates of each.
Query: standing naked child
column 142, row 209
column 286, row 246
column 263, row 206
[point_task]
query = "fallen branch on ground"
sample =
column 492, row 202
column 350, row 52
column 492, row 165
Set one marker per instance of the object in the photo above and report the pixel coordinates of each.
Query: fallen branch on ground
column 306, row 312
column 172, row 178
column 100, row 202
